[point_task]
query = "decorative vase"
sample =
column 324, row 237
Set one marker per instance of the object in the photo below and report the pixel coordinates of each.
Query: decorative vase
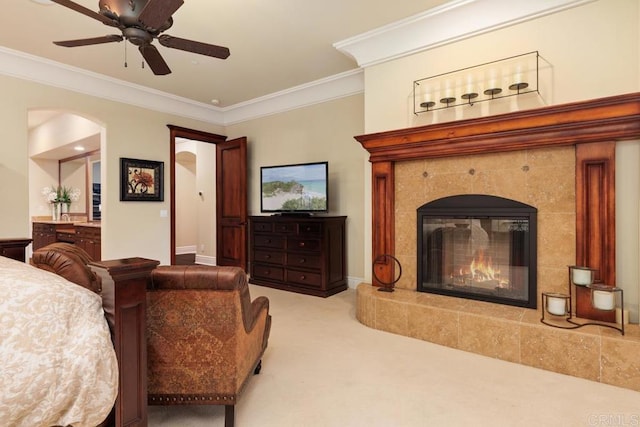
column 66, row 208
column 55, row 212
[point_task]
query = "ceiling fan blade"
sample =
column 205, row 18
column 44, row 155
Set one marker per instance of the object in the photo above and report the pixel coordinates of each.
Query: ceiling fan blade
column 195, row 47
column 90, row 41
column 154, row 59
column 156, row 12
column 88, row 12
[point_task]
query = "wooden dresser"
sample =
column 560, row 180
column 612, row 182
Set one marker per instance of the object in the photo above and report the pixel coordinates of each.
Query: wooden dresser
column 300, row 254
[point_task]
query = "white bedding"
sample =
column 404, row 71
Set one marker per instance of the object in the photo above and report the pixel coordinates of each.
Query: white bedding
column 57, row 363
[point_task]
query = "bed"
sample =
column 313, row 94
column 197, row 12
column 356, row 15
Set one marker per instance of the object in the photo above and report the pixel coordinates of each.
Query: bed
column 58, row 365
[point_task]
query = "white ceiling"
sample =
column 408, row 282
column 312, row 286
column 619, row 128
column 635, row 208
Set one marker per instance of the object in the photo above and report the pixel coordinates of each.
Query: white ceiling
column 275, row 45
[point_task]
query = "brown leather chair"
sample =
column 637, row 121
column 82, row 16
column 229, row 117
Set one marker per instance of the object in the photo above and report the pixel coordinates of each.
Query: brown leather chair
column 69, row 261
column 205, row 336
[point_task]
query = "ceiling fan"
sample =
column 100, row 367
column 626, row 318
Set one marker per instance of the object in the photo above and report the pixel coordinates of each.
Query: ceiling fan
column 141, row 21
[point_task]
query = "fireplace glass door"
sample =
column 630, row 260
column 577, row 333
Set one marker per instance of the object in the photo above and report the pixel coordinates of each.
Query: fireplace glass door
column 479, row 251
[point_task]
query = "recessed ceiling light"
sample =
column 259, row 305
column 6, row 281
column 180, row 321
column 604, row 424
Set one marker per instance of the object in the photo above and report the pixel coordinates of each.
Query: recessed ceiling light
column 215, row 101
column 78, row 148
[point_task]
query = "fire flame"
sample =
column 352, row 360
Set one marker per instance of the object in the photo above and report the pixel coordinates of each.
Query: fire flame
column 482, row 269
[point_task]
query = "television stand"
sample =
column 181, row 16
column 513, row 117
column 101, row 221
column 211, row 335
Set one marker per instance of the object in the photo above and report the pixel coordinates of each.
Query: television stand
column 299, row 254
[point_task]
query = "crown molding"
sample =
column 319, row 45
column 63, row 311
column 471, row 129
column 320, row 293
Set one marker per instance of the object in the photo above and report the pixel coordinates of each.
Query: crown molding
column 33, row 68
column 322, row 90
column 451, row 22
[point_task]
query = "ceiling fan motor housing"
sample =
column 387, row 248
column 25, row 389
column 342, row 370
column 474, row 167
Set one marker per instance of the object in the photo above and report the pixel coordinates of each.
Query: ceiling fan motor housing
column 127, row 12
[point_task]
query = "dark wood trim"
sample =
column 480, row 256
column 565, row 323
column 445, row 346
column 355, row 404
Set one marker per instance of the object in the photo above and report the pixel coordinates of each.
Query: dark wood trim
column 595, row 220
column 180, row 132
column 607, row 119
column 383, row 230
column 615, row 118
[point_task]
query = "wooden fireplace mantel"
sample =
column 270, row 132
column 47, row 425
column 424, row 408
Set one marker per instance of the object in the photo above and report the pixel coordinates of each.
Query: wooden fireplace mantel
column 599, row 123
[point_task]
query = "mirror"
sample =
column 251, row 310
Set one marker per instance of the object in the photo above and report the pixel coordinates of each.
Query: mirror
column 83, row 172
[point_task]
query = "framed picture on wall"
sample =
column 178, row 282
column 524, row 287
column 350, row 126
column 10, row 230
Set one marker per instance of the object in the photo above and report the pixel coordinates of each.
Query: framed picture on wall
column 141, row 180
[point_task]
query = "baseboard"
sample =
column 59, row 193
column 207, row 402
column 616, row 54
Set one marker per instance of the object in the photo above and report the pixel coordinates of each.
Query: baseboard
column 205, row 260
column 353, row 282
column 183, row 250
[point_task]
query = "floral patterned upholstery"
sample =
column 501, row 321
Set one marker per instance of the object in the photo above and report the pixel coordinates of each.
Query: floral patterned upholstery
column 205, row 336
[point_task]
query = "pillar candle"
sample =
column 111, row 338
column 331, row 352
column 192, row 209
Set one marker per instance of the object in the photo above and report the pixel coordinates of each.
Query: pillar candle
column 603, row 300
column 556, row 306
column 581, row 276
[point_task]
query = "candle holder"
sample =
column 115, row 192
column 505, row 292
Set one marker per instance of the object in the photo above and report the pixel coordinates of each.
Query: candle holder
column 603, row 297
column 557, row 305
column 479, row 83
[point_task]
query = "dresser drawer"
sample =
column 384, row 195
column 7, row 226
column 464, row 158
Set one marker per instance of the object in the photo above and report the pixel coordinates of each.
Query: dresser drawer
column 303, row 260
column 44, row 228
column 302, row 244
column 262, row 226
column 309, row 228
column 284, row 227
column 66, row 236
column 269, row 257
column 267, row 272
column 269, row 241
column 13, row 253
column 304, row 278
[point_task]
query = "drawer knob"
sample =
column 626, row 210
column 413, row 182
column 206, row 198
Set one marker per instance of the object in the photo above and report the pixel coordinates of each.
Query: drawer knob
column 267, row 257
column 302, row 260
column 303, row 277
column 301, row 244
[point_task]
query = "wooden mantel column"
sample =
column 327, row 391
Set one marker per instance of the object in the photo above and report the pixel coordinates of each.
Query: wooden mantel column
column 383, row 233
column 615, row 118
column 595, row 221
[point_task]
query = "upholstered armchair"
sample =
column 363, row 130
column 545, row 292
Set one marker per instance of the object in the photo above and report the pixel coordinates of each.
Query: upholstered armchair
column 205, row 336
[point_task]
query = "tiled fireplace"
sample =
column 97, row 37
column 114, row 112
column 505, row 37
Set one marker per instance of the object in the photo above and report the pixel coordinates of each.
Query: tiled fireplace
column 540, row 168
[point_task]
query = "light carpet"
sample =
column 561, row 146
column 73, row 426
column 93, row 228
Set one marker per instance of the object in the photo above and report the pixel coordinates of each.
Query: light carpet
column 323, row 368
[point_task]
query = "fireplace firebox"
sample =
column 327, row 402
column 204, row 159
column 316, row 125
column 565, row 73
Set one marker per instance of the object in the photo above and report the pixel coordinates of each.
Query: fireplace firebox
column 478, row 247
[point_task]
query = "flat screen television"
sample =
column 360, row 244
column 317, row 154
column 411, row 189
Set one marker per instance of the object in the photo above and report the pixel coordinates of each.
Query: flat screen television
column 295, row 189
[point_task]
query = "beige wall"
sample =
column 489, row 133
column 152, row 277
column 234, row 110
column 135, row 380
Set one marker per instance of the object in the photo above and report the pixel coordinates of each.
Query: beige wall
column 590, row 51
column 321, row 132
column 316, row 133
column 133, row 228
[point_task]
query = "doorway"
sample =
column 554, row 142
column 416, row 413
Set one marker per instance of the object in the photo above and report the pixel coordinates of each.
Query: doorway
column 229, row 175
